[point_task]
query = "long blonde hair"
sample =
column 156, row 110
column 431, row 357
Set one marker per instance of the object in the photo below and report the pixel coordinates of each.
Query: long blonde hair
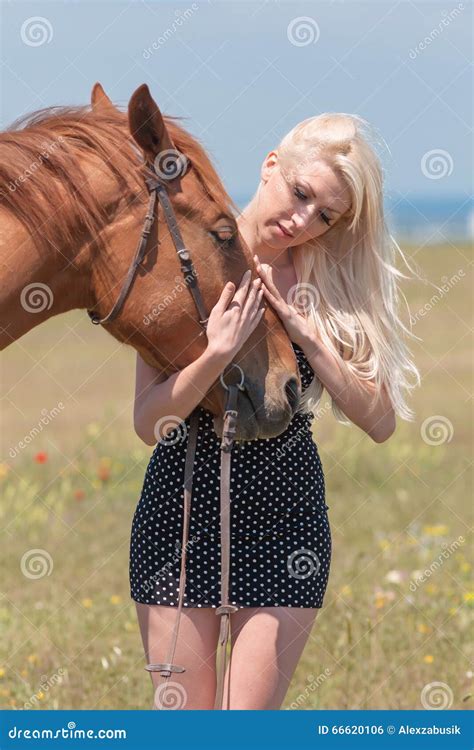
column 347, row 279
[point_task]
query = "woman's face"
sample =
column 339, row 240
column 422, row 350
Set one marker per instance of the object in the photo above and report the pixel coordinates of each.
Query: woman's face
column 294, row 208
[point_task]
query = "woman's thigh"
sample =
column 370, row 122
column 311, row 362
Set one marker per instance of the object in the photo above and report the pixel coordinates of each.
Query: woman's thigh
column 267, row 645
column 195, row 650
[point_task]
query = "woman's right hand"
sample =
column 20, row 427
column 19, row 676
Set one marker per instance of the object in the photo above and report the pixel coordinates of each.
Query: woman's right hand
column 234, row 317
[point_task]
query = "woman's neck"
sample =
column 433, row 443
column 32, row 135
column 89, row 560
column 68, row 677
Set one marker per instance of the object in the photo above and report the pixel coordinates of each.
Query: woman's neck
column 247, row 225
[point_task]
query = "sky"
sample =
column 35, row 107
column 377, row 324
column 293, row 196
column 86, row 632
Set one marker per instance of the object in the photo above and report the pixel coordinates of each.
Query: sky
column 242, row 74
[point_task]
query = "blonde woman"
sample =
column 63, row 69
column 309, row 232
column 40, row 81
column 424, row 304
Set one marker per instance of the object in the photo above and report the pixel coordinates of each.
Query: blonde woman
column 325, row 260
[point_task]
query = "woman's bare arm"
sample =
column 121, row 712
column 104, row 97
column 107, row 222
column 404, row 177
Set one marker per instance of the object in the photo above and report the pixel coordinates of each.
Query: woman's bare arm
column 354, row 399
column 157, row 395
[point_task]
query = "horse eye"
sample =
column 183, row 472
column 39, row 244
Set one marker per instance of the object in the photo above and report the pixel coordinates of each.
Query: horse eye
column 224, row 233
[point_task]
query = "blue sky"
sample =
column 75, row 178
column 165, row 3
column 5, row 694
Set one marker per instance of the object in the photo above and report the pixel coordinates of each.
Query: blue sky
column 244, row 73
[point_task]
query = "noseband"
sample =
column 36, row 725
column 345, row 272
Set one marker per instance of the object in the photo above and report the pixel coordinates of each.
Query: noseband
column 158, row 190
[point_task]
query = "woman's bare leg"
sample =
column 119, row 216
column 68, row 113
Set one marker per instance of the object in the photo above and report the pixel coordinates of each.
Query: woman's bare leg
column 195, row 650
column 267, row 645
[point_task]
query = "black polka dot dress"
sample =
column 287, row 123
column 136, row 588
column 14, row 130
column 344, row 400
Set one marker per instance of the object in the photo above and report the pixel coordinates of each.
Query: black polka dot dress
column 280, row 534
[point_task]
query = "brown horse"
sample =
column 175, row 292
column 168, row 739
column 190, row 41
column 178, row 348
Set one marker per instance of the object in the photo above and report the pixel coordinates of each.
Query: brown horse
column 72, row 207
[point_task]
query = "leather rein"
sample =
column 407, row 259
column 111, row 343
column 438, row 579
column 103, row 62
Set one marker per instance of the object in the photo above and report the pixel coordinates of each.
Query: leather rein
column 158, row 190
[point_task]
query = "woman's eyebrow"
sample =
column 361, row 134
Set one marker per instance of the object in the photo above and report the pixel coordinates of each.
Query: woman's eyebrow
column 325, row 208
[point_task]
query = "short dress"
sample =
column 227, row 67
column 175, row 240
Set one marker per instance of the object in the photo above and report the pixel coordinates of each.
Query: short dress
column 280, row 535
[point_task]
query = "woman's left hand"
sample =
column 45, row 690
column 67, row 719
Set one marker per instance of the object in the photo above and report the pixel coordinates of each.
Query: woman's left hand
column 295, row 324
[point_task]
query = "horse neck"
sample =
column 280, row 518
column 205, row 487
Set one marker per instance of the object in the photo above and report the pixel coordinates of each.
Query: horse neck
column 35, row 285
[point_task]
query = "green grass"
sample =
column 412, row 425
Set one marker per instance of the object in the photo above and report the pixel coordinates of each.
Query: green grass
column 376, row 643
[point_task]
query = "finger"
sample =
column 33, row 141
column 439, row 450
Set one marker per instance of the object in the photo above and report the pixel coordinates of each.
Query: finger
column 253, row 297
column 268, row 281
column 241, row 292
column 246, row 278
column 226, row 295
column 258, row 306
column 253, row 311
column 256, row 317
column 275, row 301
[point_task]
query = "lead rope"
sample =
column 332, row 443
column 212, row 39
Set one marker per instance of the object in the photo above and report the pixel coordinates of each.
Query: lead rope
column 225, row 609
column 166, row 668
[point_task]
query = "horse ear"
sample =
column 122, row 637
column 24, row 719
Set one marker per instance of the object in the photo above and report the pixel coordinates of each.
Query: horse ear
column 99, row 100
column 147, row 125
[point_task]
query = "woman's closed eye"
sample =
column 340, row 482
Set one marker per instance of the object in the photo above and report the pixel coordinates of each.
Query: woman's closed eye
column 299, row 194
column 302, row 196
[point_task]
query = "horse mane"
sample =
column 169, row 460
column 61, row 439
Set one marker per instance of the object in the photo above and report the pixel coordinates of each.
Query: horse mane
column 40, row 169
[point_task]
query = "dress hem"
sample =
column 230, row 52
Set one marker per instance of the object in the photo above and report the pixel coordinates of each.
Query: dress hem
column 214, row 606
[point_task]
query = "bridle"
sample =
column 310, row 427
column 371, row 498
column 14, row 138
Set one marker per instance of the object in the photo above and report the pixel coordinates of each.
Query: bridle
column 158, row 190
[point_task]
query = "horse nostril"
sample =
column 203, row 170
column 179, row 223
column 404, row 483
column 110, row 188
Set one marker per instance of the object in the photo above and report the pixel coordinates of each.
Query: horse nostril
column 291, row 390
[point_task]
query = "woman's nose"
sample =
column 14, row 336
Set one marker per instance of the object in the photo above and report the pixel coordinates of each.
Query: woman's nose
column 299, row 222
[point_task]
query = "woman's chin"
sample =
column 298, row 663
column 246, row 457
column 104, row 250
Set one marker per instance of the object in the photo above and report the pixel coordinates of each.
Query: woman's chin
column 276, row 241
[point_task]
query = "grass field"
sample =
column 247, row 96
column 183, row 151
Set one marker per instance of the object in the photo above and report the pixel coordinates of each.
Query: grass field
column 400, row 597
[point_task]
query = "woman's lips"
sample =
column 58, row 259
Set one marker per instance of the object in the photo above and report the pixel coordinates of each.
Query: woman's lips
column 283, row 231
